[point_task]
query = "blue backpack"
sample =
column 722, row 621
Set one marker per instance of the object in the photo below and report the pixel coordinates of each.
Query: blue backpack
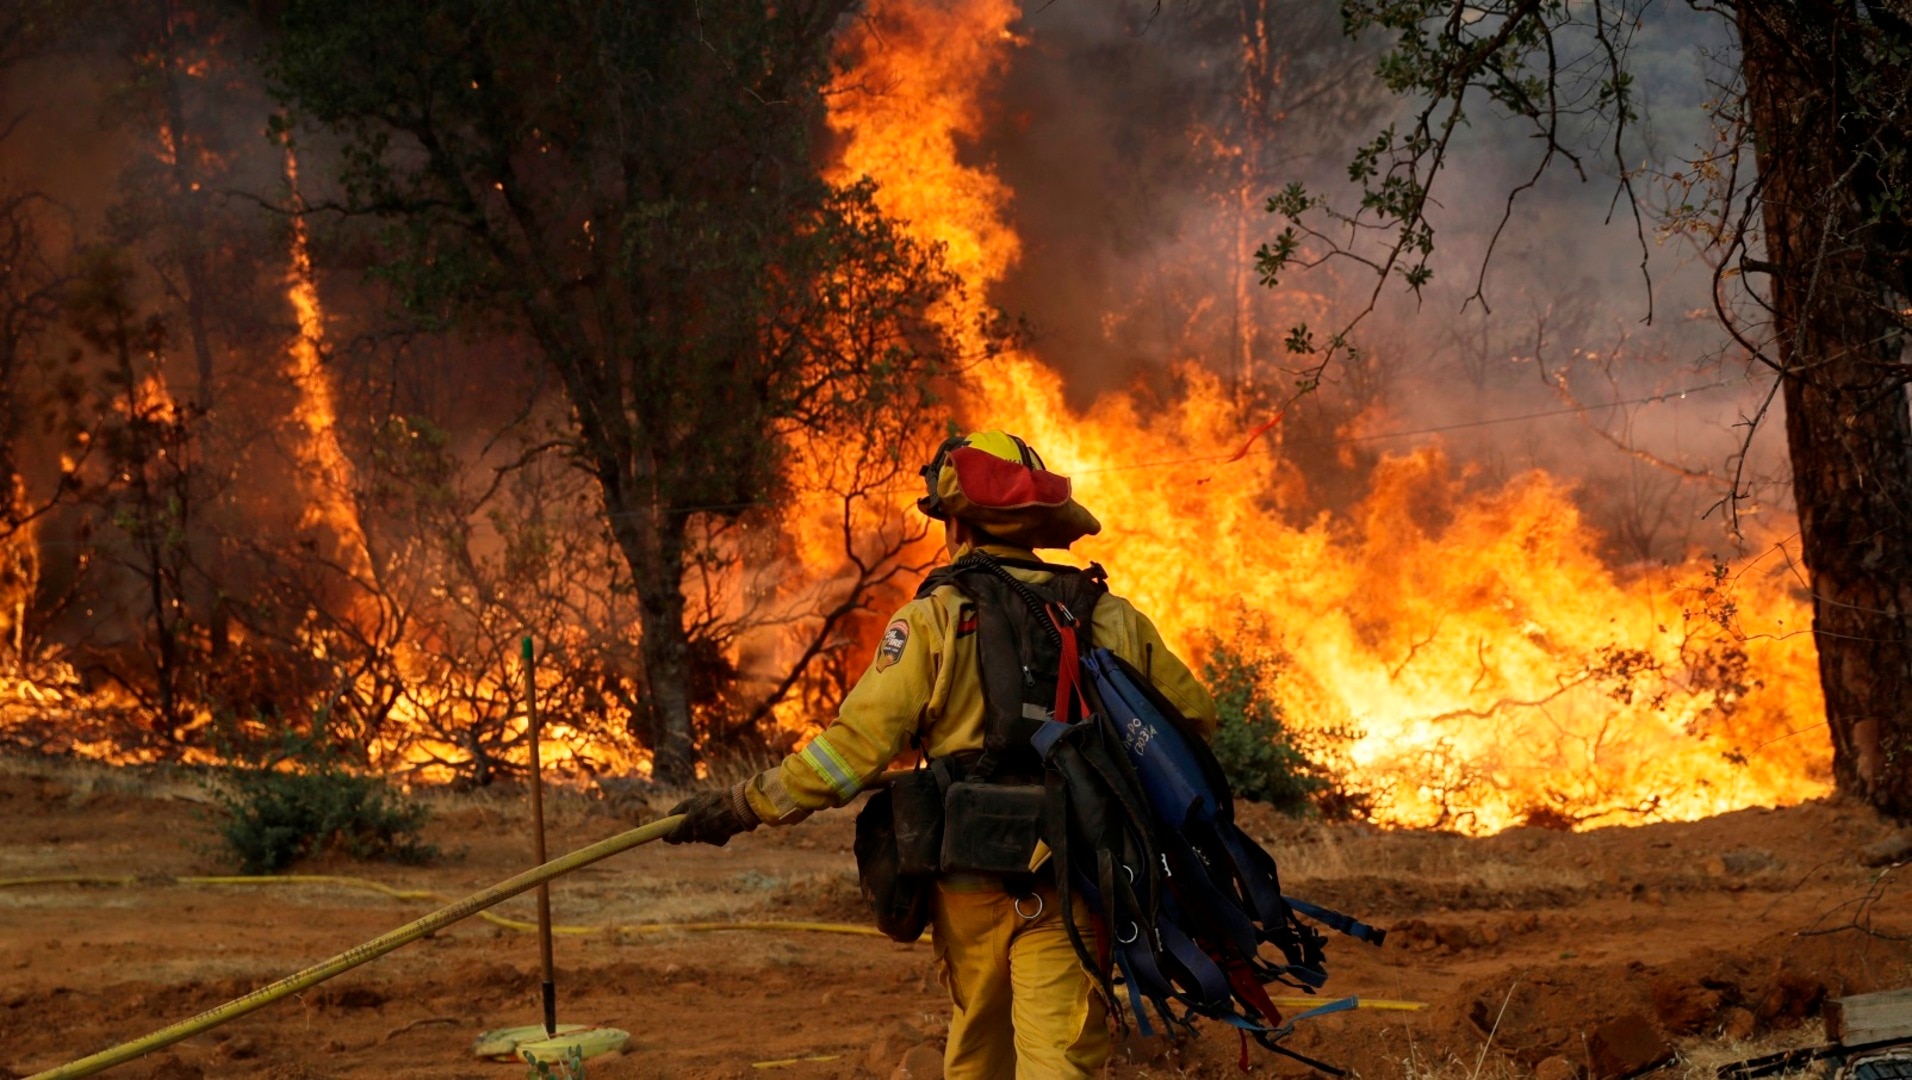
column 1141, row 821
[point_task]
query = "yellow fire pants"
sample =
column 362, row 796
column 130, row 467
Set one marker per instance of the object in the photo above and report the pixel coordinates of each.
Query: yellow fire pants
column 1023, row 1005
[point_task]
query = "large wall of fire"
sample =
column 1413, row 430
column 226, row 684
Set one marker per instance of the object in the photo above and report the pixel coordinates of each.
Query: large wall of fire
column 1494, row 623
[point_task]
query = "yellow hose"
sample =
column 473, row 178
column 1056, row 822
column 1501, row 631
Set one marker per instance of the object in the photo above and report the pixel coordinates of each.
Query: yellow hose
column 425, row 894
column 359, row 954
column 474, row 904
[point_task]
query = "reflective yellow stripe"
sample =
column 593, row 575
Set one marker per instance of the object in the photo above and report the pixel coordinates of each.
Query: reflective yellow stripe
column 830, row 765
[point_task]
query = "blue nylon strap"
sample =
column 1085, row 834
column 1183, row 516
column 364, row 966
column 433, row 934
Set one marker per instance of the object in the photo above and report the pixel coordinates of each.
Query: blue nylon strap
column 1306, row 976
column 1045, row 737
column 1136, row 1004
column 1256, row 870
column 1341, row 1005
column 1231, row 925
column 1334, row 920
column 1338, row 1005
column 1210, row 989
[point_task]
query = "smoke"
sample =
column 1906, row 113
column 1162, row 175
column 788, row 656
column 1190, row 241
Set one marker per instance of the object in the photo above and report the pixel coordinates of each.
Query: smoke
column 1143, row 140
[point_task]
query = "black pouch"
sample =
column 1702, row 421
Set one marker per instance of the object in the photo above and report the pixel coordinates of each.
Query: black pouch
column 991, row 828
column 901, row 901
column 916, row 807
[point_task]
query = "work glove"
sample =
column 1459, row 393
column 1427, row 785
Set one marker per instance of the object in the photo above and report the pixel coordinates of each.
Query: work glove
column 713, row 817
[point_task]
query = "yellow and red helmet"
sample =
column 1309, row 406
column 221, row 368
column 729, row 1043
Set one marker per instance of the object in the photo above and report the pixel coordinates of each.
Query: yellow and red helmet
column 998, row 483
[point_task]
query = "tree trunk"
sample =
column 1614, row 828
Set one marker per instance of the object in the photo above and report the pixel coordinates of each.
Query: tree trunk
column 1841, row 355
column 653, row 544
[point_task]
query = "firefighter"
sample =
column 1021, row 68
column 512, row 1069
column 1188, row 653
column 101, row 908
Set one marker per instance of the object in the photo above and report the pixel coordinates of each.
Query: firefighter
column 1023, row 1005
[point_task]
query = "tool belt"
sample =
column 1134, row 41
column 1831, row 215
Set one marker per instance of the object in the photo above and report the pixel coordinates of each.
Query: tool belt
column 936, row 821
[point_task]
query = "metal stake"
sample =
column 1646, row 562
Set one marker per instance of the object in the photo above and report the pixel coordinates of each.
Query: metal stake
column 537, row 819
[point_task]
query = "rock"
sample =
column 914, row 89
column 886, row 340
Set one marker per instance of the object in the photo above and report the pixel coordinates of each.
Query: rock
column 238, row 1048
column 1743, row 861
column 1713, row 866
column 921, row 1062
column 1791, row 998
column 1737, row 1023
column 1684, row 1008
column 1896, row 848
column 1556, row 1068
column 892, row 1046
column 1627, row 1046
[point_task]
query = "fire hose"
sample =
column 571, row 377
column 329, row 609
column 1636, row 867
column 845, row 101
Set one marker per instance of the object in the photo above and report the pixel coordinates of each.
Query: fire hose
column 492, row 917
column 370, row 950
column 475, row 904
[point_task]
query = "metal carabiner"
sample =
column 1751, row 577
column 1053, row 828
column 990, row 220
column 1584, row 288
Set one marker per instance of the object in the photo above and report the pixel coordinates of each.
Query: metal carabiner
column 1026, row 916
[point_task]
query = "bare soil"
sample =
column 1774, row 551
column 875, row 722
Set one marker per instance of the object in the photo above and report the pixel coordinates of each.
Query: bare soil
column 1725, row 936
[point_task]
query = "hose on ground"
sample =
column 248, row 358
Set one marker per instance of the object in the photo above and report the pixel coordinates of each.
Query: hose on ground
column 492, row 917
column 362, row 953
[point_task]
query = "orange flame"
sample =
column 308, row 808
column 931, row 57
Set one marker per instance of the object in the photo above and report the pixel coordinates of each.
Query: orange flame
column 328, row 481
column 1488, row 666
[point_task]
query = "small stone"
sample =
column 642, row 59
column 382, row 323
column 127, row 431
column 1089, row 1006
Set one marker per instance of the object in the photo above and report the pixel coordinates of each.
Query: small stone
column 1713, row 866
column 1626, row 1046
column 891, row 1047
column 1896, row 848
column 920, row 1063
column 1737, row 1023
column 1556, row 1068
column 238, row 1048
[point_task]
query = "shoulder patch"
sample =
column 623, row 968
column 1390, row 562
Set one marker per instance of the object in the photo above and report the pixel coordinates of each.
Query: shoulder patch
column 895, row 639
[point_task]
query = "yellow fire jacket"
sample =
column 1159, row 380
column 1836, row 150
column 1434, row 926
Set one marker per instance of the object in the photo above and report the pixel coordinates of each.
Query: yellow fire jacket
column 924, row 681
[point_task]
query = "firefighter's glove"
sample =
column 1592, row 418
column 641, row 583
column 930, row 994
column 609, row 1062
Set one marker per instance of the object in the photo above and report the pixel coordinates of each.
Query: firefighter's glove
column 713, row 817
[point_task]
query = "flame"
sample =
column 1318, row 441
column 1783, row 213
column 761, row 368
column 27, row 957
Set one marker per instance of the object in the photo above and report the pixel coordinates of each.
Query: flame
column 1482, row 664
column 1459, row 645
column 19, row 570
column 328, row 480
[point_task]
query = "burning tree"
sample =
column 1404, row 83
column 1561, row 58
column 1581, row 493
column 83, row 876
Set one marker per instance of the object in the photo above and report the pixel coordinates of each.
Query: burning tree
column 628, row 188
column 1807, row 188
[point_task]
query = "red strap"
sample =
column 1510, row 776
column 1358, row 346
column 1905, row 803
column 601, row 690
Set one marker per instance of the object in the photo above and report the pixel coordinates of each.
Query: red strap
column 1242, row 978
column 1066, row 676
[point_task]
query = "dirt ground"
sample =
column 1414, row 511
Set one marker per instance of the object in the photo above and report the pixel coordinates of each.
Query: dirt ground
column 1724, row 936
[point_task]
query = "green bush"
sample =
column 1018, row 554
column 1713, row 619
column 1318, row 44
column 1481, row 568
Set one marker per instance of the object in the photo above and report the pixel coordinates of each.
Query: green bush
column 294, row 797
column 571, row 1068
column 1265, row 759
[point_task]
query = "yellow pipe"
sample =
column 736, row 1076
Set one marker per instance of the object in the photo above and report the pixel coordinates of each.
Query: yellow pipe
column 425, row 894
column 1381, row 1004
column 360, row 954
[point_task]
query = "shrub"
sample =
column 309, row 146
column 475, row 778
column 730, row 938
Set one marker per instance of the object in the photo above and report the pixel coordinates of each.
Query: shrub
column 1265, row 759
column 294, row 797
column 571, row 1068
